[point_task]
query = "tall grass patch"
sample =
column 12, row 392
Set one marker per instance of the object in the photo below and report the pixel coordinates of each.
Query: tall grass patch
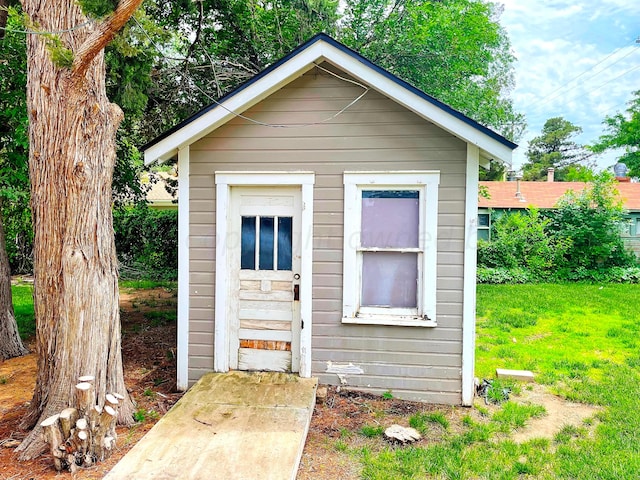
column 23, row 308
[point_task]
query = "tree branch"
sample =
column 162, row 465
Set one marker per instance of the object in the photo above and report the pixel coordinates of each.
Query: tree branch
column 102, row 35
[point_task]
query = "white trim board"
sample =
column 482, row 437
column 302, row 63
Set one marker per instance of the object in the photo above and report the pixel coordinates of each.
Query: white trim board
column 469, row 274
column 182, row 358
column 299, row 64
column 224, row 181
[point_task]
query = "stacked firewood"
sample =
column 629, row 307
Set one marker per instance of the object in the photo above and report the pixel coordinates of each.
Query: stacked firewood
column 82, row 436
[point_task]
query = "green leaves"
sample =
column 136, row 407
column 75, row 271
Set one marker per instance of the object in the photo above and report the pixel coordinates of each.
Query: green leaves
column 591, row 222
column 579, row 240
column 623, row 131
column 555, row 148
column 97, row 8
column 455, row 51
column 61, row 56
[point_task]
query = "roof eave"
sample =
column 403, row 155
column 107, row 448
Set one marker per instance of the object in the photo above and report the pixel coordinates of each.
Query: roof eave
column 319, row 49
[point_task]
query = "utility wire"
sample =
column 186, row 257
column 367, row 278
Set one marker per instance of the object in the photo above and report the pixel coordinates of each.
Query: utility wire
column 550, row 96
column 294, row 125
column 155, row 45
column 252, row 120
column 607, row 82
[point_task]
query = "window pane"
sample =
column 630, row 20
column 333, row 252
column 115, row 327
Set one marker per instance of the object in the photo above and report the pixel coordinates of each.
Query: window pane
column 483, row 219
column 389, row 279
column 266, row 243
column 284, row 243
column 390, row 218
column 248, row 244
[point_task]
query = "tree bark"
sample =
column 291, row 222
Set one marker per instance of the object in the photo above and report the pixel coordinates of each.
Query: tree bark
column 72, row 135
column 4, row 14
column 10, row 343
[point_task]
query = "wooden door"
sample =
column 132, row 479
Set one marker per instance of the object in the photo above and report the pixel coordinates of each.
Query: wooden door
column 265, row 278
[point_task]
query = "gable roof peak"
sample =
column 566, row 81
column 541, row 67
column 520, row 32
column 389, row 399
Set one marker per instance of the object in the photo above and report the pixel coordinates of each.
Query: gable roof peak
column 323, row 48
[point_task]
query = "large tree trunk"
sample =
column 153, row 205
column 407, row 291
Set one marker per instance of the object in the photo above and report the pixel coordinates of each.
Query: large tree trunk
column 72, row 134
column 10, row 343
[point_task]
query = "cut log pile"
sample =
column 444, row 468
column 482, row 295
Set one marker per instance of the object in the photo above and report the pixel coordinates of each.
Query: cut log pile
column 82, row 436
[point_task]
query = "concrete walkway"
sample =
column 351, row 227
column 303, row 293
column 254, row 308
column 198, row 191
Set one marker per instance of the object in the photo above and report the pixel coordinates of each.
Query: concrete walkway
column 228, row 426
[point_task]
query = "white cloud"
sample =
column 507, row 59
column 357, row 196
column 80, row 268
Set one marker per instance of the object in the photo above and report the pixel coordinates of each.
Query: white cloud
column 575, row 60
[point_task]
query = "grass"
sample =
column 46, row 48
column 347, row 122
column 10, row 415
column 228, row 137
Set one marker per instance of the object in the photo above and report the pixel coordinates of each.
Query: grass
column 25, row 318
column 23, row 308
column 582, row 341
column 148, row 284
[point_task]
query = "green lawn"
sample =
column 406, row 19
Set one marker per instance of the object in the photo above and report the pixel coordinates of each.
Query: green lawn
column 23, row 308
column 582, row 341
column 23, row 303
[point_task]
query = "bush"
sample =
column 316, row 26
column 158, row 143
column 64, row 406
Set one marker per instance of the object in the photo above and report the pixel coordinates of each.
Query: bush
column 147, row 242
column 605, row 275
column 519, row 241
column 577, row 242
column 16, row 217
column 590, row 223
column 502, row 275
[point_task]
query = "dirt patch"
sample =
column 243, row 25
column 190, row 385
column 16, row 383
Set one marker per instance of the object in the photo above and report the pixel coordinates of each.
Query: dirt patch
column 560, row 413
column 148, row 348
column 337, row 423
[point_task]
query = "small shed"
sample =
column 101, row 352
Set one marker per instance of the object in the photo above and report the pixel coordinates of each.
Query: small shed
column 327, row 226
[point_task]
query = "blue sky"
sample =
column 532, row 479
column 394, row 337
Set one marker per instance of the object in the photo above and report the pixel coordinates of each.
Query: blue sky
column 578, row 60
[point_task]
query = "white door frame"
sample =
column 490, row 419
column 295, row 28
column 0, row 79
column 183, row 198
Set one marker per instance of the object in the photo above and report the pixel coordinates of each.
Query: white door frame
column 224, row 181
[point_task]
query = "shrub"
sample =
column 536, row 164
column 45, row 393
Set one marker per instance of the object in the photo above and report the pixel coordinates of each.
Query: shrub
column 502, row 275
column 577, row 242
column 590, row 223
column 519, row 241
column 16, row 217
column 147, row 242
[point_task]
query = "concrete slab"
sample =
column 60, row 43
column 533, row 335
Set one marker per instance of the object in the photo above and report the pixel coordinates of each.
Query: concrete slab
column 521, row 375
column 230, row 426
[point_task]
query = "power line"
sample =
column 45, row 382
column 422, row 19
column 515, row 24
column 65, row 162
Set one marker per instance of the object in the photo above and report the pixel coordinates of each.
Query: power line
column 550, row 96
column 252, row 120
column 293, row 125
column 607, row 82
column 155, row 45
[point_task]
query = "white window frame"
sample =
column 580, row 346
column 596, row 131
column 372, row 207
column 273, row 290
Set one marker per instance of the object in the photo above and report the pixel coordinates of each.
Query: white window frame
column 484, row 211
column 426, row 182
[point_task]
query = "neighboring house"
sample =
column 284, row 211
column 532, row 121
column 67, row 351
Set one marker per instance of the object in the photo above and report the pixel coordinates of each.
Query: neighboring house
column 518, row 196
column 330, row 241
column 158, row 197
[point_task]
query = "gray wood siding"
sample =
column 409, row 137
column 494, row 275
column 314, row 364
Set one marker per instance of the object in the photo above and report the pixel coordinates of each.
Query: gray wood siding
column 374, row 134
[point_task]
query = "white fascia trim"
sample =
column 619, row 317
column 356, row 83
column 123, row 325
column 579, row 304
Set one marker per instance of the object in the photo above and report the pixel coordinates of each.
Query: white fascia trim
column 415, row 103
column 182, row 360
column 224, row 181
column 297, row 66
column 469, row 273
column 238, row 103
